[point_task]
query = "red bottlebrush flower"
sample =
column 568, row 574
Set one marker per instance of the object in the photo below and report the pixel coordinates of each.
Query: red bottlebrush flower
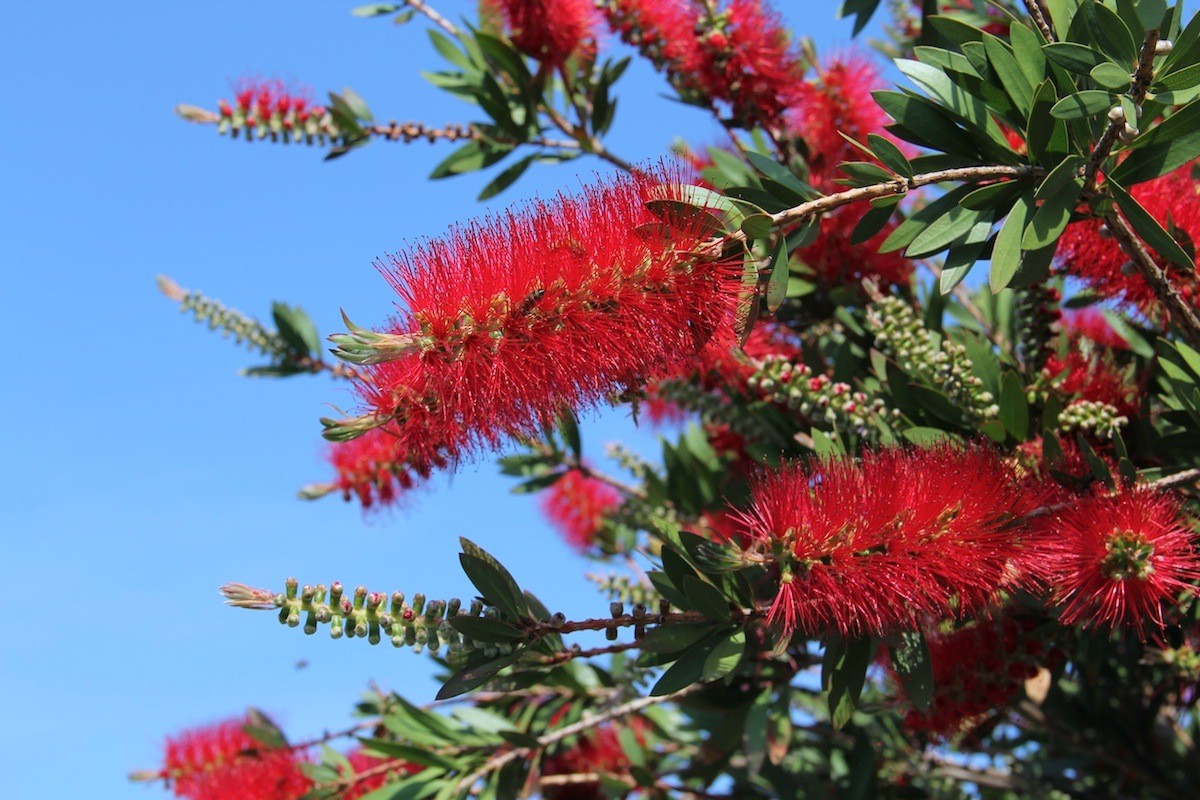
column 740, row 57
column 976, row 669
column 897, row 538
column 1113, row 560
column 837, row 100
column 1091, row 324
column 1083, row 253
column 259, row 100
column 222, row 762
column 598, row 751
column 836, row 262
column 550, row 31
column 1089, row 370
column 378, row 771
column 576, row 504
column 379, row 465
column 511, row 320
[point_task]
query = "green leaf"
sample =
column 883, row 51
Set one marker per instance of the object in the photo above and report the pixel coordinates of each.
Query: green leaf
column 1058, row 193
column 471, row 157
column 1111, row 76
column 375, row 9
column 865, row 173
column 482, row 629
column 890, row 155
column 262, row 729
column 506, row 178
column 1110, row 32
column 475, row 675
column 1186, row 51
column 1087, row 103
column 923, row 122
column 1077, row 58
column 924, row 437
column 1012, row 77
column 777, row 286
column 672, row 638
column 568, row 428
column 705, row 598
column 1151, row 12
column 297, row 329
column 843, row 671
column 1027, row 50
column 862, row 10
column 1014, row 408
column 781, row 175
column 509, row 597
column 757, row 226
column 995, row 195
column 963, row 255
column 1046, row 137
column 911, row 663
column 1148, row 228
column 871, row 223
column 725, row 656
column 907, row 231
column 945, row 230
column 689, row 667
column 413, row 755
column 1006, row 253
column 451, row 53
column 1162, row 149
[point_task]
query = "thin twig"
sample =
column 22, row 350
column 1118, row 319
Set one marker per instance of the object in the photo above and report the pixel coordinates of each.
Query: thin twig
column 1041, row 18
column 1181, row 313
column 433, row 16
column 1142, row 77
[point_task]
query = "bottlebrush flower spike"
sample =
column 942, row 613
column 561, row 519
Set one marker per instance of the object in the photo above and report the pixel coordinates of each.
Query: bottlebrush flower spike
column 1089, row 370
column 576, row 504
column 838, row 100
column 1113, row 560
column 548, row 308
column 598, row 752
column 1086, row 253
column 223, row 762
column 378, row 466
column 550, row 31
column 897, row 538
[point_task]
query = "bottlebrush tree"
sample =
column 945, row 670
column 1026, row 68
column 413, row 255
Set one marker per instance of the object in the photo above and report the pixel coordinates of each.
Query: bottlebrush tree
column 927, row 360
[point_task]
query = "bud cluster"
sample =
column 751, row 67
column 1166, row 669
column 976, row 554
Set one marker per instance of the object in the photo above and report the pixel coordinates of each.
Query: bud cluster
column 244, row 329
column 936, row 360
column 418, row 624
column 268, row 108
column 1091, row 417
column 819, row 397
column 1038, row 311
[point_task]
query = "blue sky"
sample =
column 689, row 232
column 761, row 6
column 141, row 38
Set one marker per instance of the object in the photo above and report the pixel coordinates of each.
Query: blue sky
column 141, row 472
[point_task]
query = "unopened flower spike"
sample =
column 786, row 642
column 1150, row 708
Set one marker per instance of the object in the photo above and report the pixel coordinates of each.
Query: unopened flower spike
column 365, row 347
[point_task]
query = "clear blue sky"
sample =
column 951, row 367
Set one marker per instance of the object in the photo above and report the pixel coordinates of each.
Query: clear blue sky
column 140, row 471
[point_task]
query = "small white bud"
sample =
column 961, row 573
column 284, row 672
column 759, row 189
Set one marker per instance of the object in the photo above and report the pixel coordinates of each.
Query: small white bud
column 1163, row 47
column 1116, row 114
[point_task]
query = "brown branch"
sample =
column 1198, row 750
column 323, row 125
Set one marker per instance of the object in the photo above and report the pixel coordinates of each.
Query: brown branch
column 1041, row 17
column 1142, row 77
column 1182, row 314
column 563, row 656
column 587, row 142
column 433, row 16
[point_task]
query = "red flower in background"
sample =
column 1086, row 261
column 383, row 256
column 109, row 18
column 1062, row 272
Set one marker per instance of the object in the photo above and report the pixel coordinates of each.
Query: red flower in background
column 838, row 100
column 897, row 538
column 1098, row 261
column 384, row 462
column 1113, row 560
column 976, row 669
column 222, row 762
column 379, row 772
column 1089, row 370
column 836, row 261
column 577, row 504
column 740, row 56
column 550, row 31
column 515, row 318
column 260, row 99
column 597, row 752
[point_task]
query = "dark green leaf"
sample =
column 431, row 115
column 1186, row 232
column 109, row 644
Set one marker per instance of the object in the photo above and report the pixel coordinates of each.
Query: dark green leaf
column 945, row 230
column 871, row 223
column 1148, row 228
column 907, row 231
column 725, row 656
column 673, row 637
column 1077, row 58
column 375, row 9
column 1088, row 103
column 476, row 675
column 777, row 286
column 262, row 729
column 483, row 629
column 1111, row 76
column 1014, row 408
column 506, row 178
column 705, row 598
column 910, row 661
column 757, row 226
column 1045, row 136
column 1012, row 77
column 843, row 672
column 1006, row 254
column 963, row 255
column 413, row 755
column 890, row 155
column 449, row 52
column 689, row 667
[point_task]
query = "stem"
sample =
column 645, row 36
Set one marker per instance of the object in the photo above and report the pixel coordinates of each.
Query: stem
column 433, row 16
column 1181, row 313
column 587, row 142
column 1142, row 77
column 1041, row 18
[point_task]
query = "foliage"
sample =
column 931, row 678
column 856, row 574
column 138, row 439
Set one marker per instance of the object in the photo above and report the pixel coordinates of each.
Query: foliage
column 921, row 526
